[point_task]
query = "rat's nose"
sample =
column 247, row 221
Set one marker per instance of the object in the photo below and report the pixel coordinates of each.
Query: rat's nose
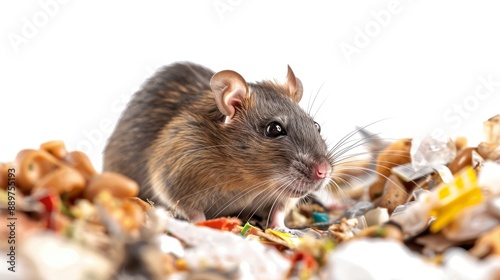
column 322, row 170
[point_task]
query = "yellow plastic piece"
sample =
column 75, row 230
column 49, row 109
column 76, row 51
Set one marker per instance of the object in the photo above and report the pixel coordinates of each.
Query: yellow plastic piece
column 292, row 240
column 453, row 197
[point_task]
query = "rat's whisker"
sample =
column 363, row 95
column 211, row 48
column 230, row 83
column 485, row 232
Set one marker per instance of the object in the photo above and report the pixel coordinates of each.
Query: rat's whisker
column 338, row 189
column 352, row 133
column 383, row 176
column 262, row 200
column 355, row 144
column 274, row 203
column 314, row 99
column 241, row 195
column 320, row 105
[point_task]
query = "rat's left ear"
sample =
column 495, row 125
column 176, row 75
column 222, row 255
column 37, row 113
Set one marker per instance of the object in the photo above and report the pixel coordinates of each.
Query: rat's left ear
column 229, row 89
column 294, row 86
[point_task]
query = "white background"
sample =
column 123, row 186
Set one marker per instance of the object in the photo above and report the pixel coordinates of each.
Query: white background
column 68, row 69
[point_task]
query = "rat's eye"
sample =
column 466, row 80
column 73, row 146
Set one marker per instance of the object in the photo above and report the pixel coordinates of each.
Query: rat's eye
column 275, row 129
column 318, row 127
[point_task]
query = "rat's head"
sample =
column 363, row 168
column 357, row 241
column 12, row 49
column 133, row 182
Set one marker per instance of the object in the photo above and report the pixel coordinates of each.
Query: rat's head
column 276, row 147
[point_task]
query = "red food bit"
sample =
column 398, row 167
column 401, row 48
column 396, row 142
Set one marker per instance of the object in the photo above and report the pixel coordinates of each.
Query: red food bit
column 226, row 224
column 52, row 204
column 304, row 264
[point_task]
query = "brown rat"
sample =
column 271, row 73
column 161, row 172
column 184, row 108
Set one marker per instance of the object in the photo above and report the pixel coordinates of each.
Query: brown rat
column 214, row 145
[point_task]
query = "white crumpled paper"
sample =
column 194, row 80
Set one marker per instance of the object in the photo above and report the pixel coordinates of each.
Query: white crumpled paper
column 211, row 248
column 376, row 259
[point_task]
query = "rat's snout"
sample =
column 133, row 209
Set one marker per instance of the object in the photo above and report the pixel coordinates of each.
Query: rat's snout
column 322, row 170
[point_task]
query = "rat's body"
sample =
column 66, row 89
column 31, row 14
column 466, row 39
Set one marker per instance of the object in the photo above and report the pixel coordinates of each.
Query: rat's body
column 213, row 145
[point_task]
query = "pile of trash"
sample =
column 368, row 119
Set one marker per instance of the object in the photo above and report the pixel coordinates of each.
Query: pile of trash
column 431, row 211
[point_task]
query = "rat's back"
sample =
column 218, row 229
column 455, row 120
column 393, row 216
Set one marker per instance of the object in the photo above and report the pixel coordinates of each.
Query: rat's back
column 171, row 90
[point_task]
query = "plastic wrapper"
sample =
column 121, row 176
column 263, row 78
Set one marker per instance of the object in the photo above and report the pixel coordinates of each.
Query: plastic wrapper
column 472, row 222
column 431, row 151
column 443, row 203
column 414, row 218
column 407, row 173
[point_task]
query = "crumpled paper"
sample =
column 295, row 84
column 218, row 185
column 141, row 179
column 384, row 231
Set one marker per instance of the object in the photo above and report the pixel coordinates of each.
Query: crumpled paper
column 379, row 259
column 225, row 250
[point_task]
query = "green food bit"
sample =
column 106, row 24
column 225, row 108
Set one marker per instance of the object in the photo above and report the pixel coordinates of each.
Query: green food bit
column 69, row 231
column 65, row 211
column 245, row 228
column 64, row 196
column 380, row 232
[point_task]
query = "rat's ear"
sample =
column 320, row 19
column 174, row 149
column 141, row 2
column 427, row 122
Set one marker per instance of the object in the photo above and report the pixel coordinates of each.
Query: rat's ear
column 294, row 86
column 229, row 90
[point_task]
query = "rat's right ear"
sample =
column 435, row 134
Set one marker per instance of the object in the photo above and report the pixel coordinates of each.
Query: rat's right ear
column 294, row 86
column 229, row 90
